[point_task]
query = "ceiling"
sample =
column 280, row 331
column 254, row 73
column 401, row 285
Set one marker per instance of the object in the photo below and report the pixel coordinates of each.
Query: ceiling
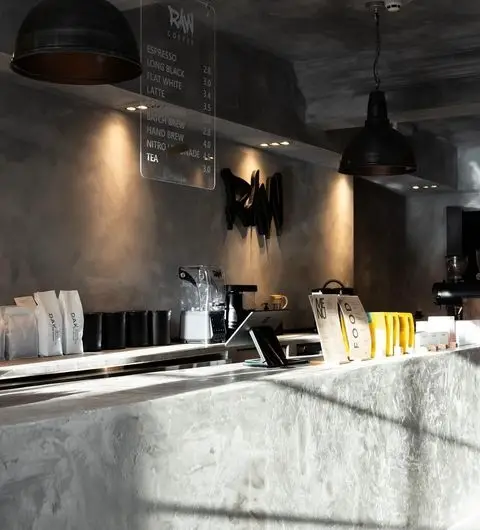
column 430, row 65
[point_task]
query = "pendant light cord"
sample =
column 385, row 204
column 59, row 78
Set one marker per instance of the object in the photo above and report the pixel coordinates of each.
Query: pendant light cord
column 376, row 75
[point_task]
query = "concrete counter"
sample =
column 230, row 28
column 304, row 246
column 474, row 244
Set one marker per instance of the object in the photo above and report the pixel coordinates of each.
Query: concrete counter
column 391, row 444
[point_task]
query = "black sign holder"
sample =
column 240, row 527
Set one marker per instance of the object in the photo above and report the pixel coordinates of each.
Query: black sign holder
column 258, row 330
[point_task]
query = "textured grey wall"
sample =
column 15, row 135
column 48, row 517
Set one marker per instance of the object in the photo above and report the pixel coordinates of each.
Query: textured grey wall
column 400, row 245
column 426, row 235
column 75, row 214
column 380, row 244
column 469, row 169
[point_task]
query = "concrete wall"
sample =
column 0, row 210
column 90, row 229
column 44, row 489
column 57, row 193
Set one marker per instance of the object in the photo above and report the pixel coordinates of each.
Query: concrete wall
column 426, row 236
column 76, row 214
column 400, row 246
column 380, row 246
column 469, row 169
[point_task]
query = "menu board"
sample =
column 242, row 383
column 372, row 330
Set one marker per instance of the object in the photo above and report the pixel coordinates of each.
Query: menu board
column 327, row 319
column 357, row 327
column 178, row 136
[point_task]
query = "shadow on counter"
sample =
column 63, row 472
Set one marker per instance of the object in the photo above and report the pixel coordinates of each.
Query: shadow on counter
column 259, row 516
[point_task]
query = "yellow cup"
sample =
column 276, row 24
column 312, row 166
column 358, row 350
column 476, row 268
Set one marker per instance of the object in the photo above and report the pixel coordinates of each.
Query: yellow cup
column 407, row 332
column 378, row 333
column 279, row 302
column 392, row 333
column 389, row 323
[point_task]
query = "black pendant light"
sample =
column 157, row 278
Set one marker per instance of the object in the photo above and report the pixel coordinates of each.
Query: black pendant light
column 379, row 149
column 78, row 42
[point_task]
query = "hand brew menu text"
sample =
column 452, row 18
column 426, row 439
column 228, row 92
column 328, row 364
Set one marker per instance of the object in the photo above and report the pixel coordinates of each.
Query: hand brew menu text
column 178, row 130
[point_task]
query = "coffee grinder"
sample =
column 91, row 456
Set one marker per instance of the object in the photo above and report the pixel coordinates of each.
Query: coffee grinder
column 235, row 312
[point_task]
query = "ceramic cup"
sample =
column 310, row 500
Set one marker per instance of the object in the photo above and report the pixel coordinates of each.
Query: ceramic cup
column 278, row 302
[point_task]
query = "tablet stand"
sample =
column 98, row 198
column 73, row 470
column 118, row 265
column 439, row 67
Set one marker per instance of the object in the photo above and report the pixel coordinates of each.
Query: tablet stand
column 268, row 347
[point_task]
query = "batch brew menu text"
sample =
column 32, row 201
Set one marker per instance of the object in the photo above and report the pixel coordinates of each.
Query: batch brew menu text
column 178, row 55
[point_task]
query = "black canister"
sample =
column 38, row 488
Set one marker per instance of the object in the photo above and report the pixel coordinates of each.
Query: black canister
column 137, row 329
column 159, row 328
column 114, row 331
column 92, row 332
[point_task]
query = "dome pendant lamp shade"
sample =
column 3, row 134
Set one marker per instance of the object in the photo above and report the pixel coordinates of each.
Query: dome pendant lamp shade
column 379, row 149
column 77, row 42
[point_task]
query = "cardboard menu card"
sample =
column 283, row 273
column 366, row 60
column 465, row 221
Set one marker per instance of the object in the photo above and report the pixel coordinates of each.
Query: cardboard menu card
column 327, row 318
column 356, row 327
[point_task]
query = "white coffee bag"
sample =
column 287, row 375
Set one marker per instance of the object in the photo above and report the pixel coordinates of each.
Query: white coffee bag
column 72, row 316
column 2, row 335
column 21, row 335
column 49, row 319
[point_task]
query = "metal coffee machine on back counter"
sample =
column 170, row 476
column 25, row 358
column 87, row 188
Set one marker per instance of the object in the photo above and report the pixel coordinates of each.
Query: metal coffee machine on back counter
column 202, row 302
column 457, row 289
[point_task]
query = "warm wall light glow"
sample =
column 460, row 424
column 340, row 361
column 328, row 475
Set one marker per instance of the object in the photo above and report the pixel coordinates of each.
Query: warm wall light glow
column 131, row 109
column 415, row 187
column 250, row 160
column 335, row 227
column 285, row 143
column 142, row 107
column 118, row 150
column 116, row 199
column 274, row 144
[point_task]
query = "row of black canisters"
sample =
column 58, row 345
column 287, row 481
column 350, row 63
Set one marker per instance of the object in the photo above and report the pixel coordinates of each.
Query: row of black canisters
column 126, row 329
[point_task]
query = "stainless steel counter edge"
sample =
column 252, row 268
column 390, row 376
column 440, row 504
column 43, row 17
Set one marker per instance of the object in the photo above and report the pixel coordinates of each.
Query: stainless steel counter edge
column 120, row 358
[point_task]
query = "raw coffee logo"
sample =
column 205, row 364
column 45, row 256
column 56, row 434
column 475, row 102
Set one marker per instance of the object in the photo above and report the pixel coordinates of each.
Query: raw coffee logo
column 182, row 21
column 74, row 320
column 52, row 320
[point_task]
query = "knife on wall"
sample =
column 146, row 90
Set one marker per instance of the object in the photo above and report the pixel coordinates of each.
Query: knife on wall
column 276, row 201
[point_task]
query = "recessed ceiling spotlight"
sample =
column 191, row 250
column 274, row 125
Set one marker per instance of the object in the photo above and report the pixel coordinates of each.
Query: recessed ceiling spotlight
column 426, row 187
column 263, row 145
column 285, row 143
column 274, row 144
column 434, row 186
column 142, row 107
column 415, row 187
column 131, row 109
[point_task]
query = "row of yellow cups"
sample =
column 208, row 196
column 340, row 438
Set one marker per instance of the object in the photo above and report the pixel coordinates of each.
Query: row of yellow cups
column 392, row 333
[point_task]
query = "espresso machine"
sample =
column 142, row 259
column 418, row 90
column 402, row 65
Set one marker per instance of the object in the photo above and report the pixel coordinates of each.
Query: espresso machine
column 452, row 292
column 452, row 295
column 202, row 303
column 462, row 263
